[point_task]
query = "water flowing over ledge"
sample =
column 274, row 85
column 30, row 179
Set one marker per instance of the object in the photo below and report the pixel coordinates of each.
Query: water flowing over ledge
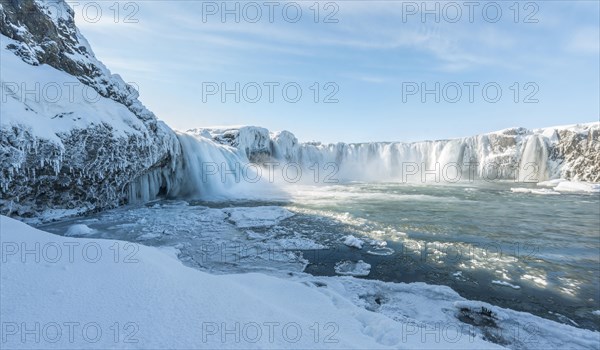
column 222, row 162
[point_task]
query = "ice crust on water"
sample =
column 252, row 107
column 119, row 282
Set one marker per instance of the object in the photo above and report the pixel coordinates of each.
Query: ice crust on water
column 540, row 191
column 369, row 313
column 574, row 186
column 257, row 216
column 559, row 186
column 352, row 268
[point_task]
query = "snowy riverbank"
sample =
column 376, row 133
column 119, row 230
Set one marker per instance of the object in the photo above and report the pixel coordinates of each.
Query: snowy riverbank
column 64, row 292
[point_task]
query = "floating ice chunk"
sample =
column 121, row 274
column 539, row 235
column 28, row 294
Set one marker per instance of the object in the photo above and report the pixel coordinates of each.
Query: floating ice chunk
column 457, row 274
column 352, row 268
column 378, row 244
column 578, row 187
column 550, row 183
column 505, row 284
column 596, row 312
column 380, row 248
column 541, row 191
column 300, row 243
column 247, row 217
column 352, row 241
column 520, row 190
column 381, row 251
column 79, row 230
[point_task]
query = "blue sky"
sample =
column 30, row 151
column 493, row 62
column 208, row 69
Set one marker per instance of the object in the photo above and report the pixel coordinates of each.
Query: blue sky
column 371, row 57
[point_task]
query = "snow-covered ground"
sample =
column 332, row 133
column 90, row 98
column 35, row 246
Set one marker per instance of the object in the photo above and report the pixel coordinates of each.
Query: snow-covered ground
column 63, row 292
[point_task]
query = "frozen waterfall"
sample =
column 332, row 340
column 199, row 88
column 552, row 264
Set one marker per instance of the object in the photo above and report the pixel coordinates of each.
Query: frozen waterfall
column 251, row 162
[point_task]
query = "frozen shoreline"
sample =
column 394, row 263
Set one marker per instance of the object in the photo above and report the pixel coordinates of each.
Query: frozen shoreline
column 168, row 305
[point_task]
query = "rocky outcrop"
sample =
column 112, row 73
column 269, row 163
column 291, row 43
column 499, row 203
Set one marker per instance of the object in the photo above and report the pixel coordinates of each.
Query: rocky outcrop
column 71, row 152
column 580, row 154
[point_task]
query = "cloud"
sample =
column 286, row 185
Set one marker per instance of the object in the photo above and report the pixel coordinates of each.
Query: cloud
column 585, row 41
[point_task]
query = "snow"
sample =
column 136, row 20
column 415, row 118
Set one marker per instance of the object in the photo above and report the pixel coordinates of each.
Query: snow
column 352, row 241
column 258, row 216
column 577, row 187
column 352, row 268
column 153, row 299
column 505, row 284
column 550, row 183
column 79, row 230
column 150, row 300
column 57, row 103
column 540, row 191
column 559, row 186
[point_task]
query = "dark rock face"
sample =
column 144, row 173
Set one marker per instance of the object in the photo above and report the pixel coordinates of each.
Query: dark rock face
column 90, row 167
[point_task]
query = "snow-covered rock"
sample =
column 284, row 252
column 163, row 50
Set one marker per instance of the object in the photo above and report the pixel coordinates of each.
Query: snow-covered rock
column 73, row 135
column 253, row 142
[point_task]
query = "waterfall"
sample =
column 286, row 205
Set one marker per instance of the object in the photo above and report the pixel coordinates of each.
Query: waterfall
column 495, row 156
column 533, row 166
column 213, row 166
column 213, row 171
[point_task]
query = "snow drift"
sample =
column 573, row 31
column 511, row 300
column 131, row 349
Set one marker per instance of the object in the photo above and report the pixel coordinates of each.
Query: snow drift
column 73, row 293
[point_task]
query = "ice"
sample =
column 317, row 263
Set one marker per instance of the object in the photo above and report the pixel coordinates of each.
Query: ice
column 540, row 191
column 379, row 247
column 505, row 284
column 577, row 187
column 381, row 251
column 165, row 300
column 257, row 216
column 352, row 268
column 173, row 306
column 352, row 241
column 529, row 151
column 550, row 183
column 79, row 230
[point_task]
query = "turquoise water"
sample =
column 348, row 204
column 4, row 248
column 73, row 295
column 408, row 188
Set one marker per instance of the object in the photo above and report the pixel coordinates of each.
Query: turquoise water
column 466, row 236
